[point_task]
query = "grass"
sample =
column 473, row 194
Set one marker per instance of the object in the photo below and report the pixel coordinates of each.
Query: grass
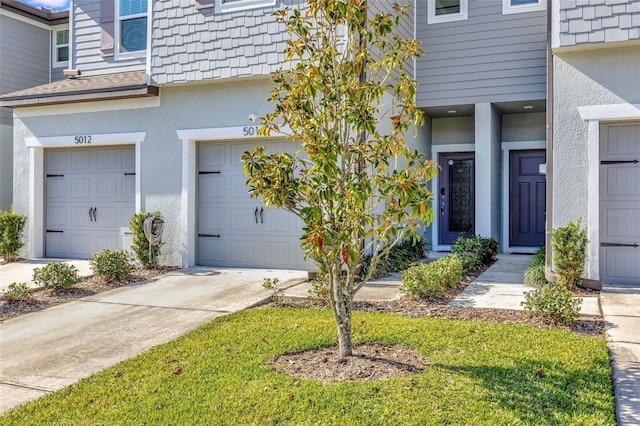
column 481, row 373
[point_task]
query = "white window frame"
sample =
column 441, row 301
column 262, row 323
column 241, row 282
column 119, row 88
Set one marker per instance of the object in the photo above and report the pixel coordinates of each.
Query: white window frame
column 508, row 8
column 54, row 47
column 117, row 36
column 432, row 18
column 231, row 6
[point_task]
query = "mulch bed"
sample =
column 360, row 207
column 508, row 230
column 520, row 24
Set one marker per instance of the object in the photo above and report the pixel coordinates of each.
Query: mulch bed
column 43, row 298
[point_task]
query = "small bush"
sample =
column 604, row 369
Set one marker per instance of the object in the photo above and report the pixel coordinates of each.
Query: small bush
column 569, row 245
column 319, row 290
column 11, row 229
column 17, row 292
column 534, row 275
column 553, row 303
column 430, row 279
column 56, row 275
column 475, row 252
column 400, row 257
column 111, row 264
column 139, row 243
column 273, row 284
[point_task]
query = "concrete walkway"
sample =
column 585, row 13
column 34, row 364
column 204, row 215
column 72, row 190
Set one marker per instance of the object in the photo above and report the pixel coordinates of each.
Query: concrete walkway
column 22, row 271
column 47, row 350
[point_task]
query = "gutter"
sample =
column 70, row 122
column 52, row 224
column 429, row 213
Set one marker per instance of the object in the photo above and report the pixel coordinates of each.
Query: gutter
column 85, row 96
column 548, row 270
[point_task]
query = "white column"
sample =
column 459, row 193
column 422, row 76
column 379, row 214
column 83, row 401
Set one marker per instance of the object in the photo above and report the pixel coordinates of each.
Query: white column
column 488, row 171
column 36, row 202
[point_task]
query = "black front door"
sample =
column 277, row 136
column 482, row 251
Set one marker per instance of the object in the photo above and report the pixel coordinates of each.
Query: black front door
column 527, row 198
column 456, row 201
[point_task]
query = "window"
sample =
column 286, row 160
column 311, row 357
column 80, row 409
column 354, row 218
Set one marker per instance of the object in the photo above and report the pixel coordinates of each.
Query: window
column 521, row 6
column 132, row 27
column 60, row 47
column 231, row 5
column 446, row 11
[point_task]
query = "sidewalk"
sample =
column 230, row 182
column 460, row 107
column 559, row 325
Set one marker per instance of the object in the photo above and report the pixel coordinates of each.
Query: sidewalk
column 22, row 271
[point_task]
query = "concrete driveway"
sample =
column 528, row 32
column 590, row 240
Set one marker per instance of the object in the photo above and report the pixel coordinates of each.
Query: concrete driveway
column 47, row 350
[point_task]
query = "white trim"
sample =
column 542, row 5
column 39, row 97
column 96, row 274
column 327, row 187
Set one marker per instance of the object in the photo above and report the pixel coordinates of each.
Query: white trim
column 71, row 31
column 189, row 138
column 432, row 18
column 507, row 147
column 24, row 19
column 508, row 8
column 96, row 139
column 610, row 112
column 435, row 151
column 594, row 115
column 555, row 24
column 37, row 202
column 85, row 107
column 118, row 55
column 221, row 7
column 149, row 34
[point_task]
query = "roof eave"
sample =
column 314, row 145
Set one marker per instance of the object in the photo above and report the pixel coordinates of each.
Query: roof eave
column 57, row 99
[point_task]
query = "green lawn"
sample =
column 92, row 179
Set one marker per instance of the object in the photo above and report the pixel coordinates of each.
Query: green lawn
column 481, row 374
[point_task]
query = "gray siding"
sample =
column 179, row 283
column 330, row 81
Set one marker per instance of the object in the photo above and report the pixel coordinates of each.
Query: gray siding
column 86, row 42
column 490, row 57
column 25, row 58
column 190, row 44
column 406, row 23
column 598, row 21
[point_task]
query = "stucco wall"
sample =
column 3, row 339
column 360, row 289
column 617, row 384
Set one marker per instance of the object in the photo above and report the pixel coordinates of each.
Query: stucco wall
column 593, row 77
column 201, row 106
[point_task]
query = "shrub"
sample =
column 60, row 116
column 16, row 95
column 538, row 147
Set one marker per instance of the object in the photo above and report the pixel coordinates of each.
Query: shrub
column 534, row 275
column 56, row 275
column 475, row 252
column 430, row 279
column 553, row 303
column 17, row 292
column 273, row 284
column 139, row 243
column 319, row 290
column 569, row 245
column 400, row 257
column 111, row 264
column 11, row 229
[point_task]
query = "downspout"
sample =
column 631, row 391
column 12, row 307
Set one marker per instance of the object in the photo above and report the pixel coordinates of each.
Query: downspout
column 549, row 274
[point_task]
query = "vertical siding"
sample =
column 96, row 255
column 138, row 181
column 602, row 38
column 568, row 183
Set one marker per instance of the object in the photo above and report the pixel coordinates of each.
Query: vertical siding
column 190, row 44
column 490, row 57
column 86, row 42
column 25, row 58
column 598, row 21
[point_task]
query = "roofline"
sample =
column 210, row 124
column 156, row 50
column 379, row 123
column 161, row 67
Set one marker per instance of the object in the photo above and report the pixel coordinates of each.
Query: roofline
column 83, row 96
column 42, row 15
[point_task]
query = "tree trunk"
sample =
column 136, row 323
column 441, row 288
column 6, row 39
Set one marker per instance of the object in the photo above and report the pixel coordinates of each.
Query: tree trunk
column 341, row 303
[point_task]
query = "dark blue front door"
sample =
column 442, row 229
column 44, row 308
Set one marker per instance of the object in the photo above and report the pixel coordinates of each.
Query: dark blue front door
column 456, row 201
column 527, row 198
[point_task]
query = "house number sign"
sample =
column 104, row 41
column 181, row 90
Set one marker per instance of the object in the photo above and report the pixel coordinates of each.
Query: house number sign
column 250, row 130
column 82, row 139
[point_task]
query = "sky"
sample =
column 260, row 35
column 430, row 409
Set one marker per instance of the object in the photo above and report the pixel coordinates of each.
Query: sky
column 58, row 5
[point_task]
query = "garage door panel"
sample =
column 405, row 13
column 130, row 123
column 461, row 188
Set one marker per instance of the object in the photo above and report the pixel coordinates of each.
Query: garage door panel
column 212, row 219
column 79, row 244
column 107, row 159
column 128, row 159
column 211, row 157
column 79, row 187
column 236, row 152
column 78, row 216
column 622, row 181
column 211, row 251
column 622, row 221
column 107, row 187
column 211, row 187
column 243, row 219
column 56, row 188
column 80, row 160
column 241, row 252
column 57, row 216
column 108, row 242
column 127, row 187
column 56, row 162
column 238, row 187
column 106, row 217
column 56, row 244
column 622, row 142
column 621, row 265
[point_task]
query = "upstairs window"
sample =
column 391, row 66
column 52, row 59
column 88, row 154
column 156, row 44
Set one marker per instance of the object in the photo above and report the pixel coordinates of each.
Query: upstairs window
column 446, row 11
column 132, row 27
column 521, row 6
column 60, row 48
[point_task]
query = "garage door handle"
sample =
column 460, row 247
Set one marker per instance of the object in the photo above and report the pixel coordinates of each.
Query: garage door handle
column 255, row 213
column 261, row 214
column 90, row 214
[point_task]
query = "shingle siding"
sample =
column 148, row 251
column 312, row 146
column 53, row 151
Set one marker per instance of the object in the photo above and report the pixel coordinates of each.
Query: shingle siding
column 598, row 21
column 192, row 44
column 490, row 57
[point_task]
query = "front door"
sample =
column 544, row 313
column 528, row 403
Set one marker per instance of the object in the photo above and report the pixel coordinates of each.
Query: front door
column 456, row 201
column 527, row 198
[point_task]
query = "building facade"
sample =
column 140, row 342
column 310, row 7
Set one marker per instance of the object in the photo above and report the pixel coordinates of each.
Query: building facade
column 169, row 92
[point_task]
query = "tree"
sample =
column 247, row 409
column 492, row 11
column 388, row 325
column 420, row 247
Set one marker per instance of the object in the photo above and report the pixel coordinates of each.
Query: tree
column 346, row 98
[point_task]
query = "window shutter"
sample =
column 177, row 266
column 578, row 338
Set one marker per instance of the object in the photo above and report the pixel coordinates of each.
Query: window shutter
column 107, row 27
column 203, row 4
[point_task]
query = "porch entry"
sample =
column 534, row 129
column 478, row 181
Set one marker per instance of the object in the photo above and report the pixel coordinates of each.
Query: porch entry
column 527, row 194
column 456, row 201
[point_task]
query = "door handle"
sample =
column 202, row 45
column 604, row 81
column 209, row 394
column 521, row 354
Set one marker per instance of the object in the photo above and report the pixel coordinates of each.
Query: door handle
column 261, row 214
column 95, row 214
column 90, row 214
column 442, row 191
column 255, row 213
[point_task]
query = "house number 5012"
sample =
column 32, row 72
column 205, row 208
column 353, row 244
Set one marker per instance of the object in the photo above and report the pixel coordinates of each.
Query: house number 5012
column 83, row 139
column 249, row 130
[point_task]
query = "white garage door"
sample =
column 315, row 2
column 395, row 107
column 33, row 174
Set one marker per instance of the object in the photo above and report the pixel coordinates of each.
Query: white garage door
column 620, row 204
column 235, row 229
column 90, row 196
